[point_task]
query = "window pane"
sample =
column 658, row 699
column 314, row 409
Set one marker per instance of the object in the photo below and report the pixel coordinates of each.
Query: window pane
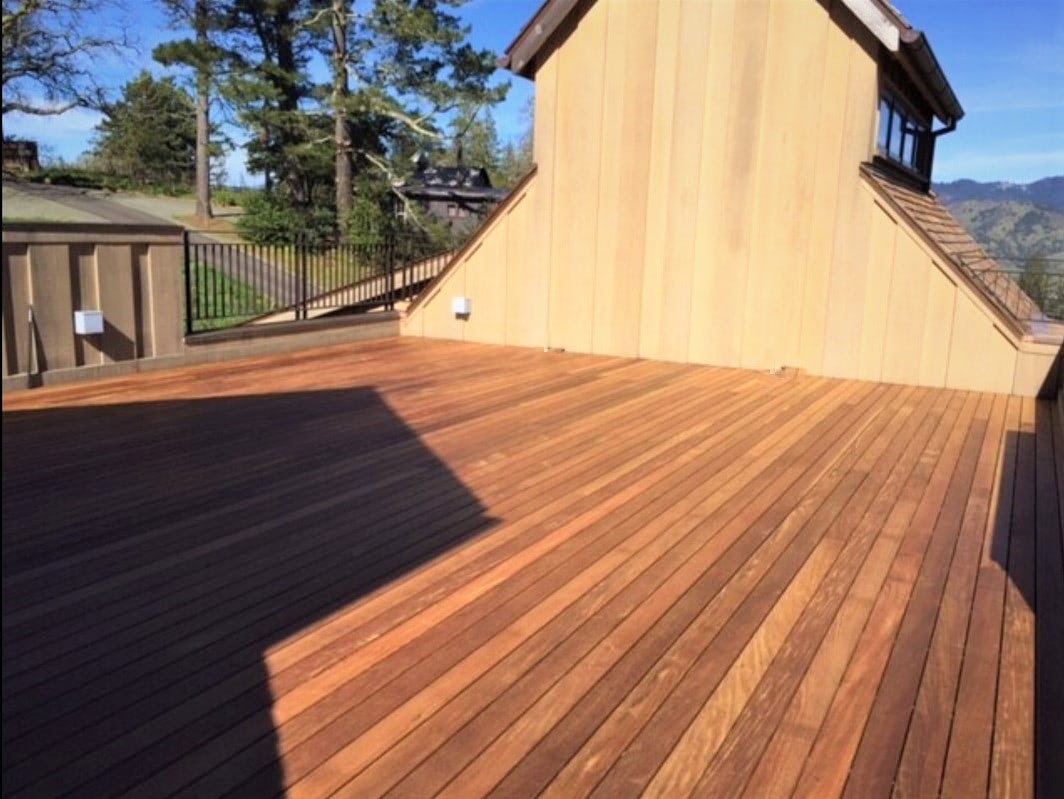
column 884, row 124
column 895, row 136
column 908, row 150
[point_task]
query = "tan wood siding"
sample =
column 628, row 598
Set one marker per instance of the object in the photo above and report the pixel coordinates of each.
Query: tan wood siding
column 499, row 274
column 699, row 198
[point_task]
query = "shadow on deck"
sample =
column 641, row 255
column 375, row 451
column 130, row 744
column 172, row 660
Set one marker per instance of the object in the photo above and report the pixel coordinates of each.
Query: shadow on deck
column 154, row 552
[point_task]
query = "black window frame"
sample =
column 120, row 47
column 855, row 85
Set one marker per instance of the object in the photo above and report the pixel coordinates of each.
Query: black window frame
column 914, row 153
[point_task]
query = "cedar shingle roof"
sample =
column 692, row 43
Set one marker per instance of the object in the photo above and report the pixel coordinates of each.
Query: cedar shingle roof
column 925, row 212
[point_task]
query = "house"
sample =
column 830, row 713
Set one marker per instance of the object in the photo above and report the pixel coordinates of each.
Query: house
column 20, row 156
column 457, row 196
column 740, row 184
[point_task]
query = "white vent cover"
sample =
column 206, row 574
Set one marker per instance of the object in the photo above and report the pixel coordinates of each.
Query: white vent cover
column 88, row 323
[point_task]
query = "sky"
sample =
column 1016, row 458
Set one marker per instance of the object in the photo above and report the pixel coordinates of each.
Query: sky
column 1004, row 59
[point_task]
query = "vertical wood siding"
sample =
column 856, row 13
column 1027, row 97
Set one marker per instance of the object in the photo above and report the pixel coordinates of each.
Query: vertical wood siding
column 698, row 198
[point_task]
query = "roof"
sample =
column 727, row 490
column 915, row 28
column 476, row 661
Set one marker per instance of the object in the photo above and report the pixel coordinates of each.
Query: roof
column 466, row 183
column 464, row 177
column 905, row 44
column 925, row 212
column 421, row 192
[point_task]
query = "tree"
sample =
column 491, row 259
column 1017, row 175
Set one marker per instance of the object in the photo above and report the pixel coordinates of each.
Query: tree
column 149, row 135
column 274, row 97
column 1035, row 280
column 205, row 57
column 410, row 63
column 47, row 59
column 517, row 157
column 475, row 141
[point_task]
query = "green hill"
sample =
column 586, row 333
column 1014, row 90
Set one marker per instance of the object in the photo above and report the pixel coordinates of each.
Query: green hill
column 1013, row 230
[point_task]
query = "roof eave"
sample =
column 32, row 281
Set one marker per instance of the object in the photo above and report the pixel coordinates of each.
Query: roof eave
column 908, row 45
column 520, row 56
column 918, row 59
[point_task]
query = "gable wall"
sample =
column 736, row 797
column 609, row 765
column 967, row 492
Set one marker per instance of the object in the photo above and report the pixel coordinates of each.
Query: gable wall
column 698, row 198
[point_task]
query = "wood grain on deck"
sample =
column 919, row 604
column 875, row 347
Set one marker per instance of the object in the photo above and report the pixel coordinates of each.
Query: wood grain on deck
column 418, row 568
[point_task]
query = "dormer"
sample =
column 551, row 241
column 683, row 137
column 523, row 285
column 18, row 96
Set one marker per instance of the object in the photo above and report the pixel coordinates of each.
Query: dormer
column 916, row 102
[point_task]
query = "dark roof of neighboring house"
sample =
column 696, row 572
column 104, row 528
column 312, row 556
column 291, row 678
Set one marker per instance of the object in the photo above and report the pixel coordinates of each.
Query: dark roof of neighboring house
column 474, row 195
column 908, row 46
column 464, row 177
column 468, row 183
column 925, row 212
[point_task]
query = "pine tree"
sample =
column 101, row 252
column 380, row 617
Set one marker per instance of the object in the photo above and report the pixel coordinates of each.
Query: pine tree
column 149, row 135
column 205, row 56
column 398, row 66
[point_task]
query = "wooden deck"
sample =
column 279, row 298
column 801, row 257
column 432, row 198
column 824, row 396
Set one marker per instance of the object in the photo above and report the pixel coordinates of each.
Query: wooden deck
column 423, row 568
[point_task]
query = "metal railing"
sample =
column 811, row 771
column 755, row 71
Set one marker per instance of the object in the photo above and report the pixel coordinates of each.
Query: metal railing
column 1046, row 291
column 229, row 283
column 1029, row 295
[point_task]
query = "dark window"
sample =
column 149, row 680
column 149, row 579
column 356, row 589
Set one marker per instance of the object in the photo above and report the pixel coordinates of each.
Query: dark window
column 903, row 137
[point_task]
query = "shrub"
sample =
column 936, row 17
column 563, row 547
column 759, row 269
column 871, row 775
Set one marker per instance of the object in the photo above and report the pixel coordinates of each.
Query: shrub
column 271, row 219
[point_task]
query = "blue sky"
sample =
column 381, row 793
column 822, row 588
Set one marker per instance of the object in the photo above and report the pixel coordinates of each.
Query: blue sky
column 1005, row 59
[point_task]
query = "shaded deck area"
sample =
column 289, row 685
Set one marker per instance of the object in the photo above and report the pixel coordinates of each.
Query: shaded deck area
column 417, row 568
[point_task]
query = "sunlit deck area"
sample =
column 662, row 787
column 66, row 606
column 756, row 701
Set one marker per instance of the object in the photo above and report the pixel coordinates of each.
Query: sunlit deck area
column 422, row 568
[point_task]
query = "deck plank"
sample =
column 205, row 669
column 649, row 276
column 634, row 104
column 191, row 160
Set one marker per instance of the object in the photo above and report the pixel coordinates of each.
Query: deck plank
column 418, row 567
column 1012, row 757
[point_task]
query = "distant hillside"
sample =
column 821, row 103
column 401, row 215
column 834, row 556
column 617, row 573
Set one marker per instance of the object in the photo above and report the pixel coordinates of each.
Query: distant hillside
column 1047, row 192
column 1010, row 220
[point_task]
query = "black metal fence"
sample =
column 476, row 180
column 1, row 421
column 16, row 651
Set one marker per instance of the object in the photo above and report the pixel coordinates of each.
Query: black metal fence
column 229, row 283
column 1041, row 279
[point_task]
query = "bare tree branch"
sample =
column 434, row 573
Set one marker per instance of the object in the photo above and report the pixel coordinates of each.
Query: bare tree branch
column 48, row 63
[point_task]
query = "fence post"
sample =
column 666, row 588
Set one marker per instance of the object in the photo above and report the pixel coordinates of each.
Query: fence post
column 188, row 282
column 301, row 249
column 389, row 255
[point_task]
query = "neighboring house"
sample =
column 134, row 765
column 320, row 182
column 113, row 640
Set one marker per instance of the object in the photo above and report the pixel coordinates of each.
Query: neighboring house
column 20, row 156
column 741, row 184
column 458, row 196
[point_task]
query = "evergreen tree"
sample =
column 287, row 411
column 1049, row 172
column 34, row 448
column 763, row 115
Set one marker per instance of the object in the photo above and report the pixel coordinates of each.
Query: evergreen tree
column 205, row 57
column 274, row 97
column 475, row 141
column 398, row 66
column 149, row 135
column 1035, row 280
column 517, row 157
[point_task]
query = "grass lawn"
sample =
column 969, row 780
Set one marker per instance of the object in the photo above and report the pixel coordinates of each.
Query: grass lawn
column 219, row 301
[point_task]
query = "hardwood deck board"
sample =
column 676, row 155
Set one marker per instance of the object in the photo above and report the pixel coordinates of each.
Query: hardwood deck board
column 781, row 763
column 521, row 694
column 420, row 566
column 827, row 765
column 715, row 690
column 127, row 690
column 1049, row 620
column 699, row 475
column 512, row 475
column 877, row 759
column 665, row 528
column 576, row 730
column 855, row 528
column 276, row 687
column 967, row 768
column 1012, row 760
column 923, row 757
